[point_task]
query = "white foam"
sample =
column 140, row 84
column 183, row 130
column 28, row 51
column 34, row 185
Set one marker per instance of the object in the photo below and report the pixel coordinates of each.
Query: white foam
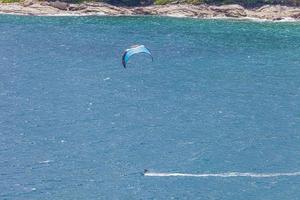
column 224, row 175
column 45, row 161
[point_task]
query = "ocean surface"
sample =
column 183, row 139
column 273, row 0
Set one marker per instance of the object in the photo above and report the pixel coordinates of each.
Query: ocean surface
column 220, row 97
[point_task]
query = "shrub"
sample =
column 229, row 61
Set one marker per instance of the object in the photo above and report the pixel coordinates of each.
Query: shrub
column 9, row 1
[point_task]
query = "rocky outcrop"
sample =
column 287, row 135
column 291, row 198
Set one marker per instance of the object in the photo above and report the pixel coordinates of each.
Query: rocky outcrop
column 77, row 7
column 230, row 10
column 274, row 12
column 28, row 3
column 34, row 7
column 59, row 5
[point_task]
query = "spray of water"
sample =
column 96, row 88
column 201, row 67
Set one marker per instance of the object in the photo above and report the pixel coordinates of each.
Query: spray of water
column 223, row 175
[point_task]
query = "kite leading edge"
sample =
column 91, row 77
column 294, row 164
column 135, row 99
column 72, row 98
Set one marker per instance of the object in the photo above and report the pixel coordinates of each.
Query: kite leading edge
column 134, row 50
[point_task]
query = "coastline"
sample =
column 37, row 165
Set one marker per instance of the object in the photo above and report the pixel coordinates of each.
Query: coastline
column 264, row 13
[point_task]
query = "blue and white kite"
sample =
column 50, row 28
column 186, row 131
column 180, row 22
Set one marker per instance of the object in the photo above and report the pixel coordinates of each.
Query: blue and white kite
column 134, row 50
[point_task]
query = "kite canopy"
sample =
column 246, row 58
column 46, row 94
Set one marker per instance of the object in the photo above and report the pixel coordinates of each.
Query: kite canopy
column 134, row 50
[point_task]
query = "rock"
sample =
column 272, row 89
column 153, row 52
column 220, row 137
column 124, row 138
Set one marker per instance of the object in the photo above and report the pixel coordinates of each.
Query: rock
column 235, row 13
column 27, row 3
column 34, row 7
column 263, row 8
column 59, row 5
column 296, row 16
column 44, row 3
column 204, row 13
column 141, row 11
column 76, row 7
column 176, row 10
column 274, row 12
column 174, row 2
column 230, row 10
column 270, row 8
column 227, row 7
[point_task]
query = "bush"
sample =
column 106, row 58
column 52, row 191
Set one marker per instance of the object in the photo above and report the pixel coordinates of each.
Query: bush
column 9, row 1
column 162, row 2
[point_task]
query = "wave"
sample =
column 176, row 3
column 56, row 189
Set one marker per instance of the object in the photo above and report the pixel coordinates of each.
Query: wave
column 224, row 175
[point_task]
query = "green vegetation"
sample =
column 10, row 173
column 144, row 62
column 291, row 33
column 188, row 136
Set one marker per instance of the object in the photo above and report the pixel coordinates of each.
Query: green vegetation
column 9, row 1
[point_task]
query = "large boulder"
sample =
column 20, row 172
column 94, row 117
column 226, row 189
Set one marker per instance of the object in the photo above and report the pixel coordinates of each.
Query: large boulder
column 142, row 11
column 59, row 5
column 27, row 3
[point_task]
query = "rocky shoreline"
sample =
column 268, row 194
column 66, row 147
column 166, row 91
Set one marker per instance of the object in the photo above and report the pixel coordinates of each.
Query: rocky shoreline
column 37, row 8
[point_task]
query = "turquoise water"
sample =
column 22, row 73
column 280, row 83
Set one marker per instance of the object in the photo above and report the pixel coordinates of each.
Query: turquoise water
column 220, row 96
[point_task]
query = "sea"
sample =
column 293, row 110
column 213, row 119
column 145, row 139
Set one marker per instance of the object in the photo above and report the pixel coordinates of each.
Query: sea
column 215, row 116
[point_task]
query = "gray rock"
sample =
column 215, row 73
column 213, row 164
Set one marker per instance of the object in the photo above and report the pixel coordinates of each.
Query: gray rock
column 44, row 3
column 59, row 5
column 27, row 3
column 296, row 15
column 230, row 10
column 141, row 11
column 75, row 7
column 227, row 7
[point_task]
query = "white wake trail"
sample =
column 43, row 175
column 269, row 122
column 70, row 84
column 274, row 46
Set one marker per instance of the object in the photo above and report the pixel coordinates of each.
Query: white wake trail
column 224, row 175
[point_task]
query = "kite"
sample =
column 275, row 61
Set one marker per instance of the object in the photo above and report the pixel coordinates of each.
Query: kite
column 132, row 51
